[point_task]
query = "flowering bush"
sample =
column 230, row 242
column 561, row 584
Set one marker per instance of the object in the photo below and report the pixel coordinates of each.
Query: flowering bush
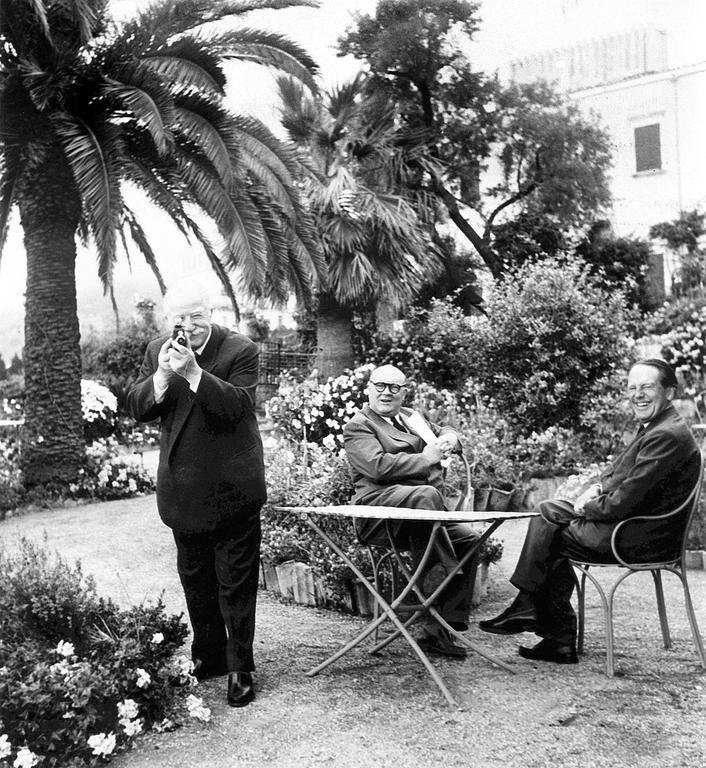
column 313, row 412
column 109, row 474
column 80, row 678
column 100, row 410
column 685, row 348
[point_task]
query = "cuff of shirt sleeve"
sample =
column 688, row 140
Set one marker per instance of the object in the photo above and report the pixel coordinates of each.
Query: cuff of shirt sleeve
column 194, row 380
column 160, row 389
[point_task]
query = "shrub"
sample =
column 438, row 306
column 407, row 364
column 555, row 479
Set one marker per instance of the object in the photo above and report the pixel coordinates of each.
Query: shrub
column 552, row 337
column 434, row 346
column 77, row 673
column 100, row 410
column 685, row 348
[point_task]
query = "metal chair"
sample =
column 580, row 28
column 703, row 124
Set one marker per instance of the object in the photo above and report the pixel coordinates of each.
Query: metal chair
column 700, row 407
column 668, row 531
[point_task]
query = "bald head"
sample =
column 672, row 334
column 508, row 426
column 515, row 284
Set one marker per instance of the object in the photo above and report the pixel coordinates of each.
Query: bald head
column 387, row 390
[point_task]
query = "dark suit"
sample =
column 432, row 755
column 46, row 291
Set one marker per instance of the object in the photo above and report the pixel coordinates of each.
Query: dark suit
column 210, row 488
column 653, row 474
column 388, row 469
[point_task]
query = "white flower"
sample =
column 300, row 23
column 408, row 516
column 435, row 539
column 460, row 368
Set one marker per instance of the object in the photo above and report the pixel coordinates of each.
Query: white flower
column 131, row 727
column 5, row 746
column 65, row 649
column 157, row 638
column 181, row 666
column 128, row 709
column 143, row 678
column 330, row 442
column 197, row 708
column 25, row 759
column 164, row 725
column 102, row 744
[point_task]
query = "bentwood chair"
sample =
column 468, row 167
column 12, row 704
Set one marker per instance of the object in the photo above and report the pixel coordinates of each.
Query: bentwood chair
column 699, row 427
column 667, row 533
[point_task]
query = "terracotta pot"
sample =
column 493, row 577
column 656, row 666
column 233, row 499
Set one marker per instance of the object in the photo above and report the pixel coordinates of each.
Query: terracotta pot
column 296, row 582
column 269, row 573
column 480, row 499
column 364, row 601
column 480, row 587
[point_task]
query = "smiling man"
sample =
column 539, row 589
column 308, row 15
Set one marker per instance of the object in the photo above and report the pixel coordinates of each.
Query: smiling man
column 654, row 474
column 393, row 465
column 210, row 480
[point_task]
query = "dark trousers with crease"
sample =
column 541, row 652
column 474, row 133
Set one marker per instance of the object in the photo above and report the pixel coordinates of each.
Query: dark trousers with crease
column 454, row 603
column 219, row 574
column 544, row 570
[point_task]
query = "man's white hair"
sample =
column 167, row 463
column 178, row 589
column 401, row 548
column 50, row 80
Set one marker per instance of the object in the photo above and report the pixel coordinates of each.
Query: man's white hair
column 188, row 291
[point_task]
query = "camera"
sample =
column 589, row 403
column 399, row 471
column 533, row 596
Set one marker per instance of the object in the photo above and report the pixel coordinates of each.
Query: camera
column 179, row 335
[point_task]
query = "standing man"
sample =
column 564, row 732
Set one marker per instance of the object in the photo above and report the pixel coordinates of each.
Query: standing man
column 210, row 480
column 393, row 466
column 653, row 475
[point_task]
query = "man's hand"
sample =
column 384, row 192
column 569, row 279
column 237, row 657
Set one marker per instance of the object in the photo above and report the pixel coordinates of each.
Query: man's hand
column 447, row 443
column 592, row 492
column 183, row 362
column 164, row 370
column 433, row 453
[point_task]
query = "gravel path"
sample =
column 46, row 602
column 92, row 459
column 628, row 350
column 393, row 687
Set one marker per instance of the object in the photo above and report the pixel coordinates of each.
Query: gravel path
column 385, row 711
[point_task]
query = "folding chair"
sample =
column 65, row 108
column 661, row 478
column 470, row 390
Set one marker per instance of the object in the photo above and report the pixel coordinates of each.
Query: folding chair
column 670, row 530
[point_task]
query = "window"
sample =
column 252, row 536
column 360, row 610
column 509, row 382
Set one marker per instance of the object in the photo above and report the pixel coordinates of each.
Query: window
column 648, row 150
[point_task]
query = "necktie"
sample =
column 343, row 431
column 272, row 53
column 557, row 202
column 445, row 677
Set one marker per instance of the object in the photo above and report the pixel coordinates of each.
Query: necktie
column 395, row 420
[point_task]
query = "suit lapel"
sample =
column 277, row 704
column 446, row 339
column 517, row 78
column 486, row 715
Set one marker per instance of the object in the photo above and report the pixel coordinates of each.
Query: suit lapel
column 382, row 425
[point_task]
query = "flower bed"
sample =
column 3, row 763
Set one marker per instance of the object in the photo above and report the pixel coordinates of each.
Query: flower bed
column 80, row 678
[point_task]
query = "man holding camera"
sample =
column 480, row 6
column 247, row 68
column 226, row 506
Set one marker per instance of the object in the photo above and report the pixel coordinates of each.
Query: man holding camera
column 200, row 383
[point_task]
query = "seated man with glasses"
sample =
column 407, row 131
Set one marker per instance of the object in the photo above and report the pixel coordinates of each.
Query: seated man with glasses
column 392, row 465
column 654, row 474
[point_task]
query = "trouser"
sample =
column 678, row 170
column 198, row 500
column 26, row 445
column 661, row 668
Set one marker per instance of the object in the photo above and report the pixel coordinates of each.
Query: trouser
column 454, row 602
column 219, row 574
column 543, row 568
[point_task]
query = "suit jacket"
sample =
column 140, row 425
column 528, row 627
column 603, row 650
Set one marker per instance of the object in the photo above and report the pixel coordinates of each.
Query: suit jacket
column 381, row 455
column 211, row 467
column 654, row 474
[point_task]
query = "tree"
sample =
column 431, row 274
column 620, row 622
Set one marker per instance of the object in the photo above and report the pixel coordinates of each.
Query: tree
column 3, row 369
column 376, row 248
column 87, row 107
column 549, row 157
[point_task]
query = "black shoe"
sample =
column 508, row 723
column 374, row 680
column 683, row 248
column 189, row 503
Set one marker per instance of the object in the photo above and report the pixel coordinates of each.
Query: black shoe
column 205, row 670
column 550, row 650
column 510, row 622
column 442, row 645
column 240, row 689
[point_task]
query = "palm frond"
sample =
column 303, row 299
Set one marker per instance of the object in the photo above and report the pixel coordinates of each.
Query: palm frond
column 217, row 264
column 39, row 10
column 91, row 158
column 187, row 63
column 151, row 107
column 209, row 193
column 140, row 239
column 266, row 48
column 10, row 171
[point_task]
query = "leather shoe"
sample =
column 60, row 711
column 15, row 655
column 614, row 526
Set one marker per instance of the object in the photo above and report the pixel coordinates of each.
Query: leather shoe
column 511, row 622
column 550, row 650
column 240, row 689
column 205, row 670
column 442, row 644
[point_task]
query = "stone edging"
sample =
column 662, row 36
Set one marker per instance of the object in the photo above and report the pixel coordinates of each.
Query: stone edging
column 696, row 559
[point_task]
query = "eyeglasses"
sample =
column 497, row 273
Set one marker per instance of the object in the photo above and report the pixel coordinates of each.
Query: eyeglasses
column 381, row 386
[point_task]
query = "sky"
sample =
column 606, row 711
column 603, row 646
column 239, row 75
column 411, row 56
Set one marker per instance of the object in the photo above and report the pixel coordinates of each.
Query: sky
column 510, row 29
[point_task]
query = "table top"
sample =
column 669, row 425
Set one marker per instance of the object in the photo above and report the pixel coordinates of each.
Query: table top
column 404, row 513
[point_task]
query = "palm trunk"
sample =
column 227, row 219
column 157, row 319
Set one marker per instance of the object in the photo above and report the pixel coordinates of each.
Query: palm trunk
column 53, row 443
column 334, row 330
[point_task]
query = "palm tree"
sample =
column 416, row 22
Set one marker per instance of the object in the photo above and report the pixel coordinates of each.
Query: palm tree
column 88, row 106
column 377, row 248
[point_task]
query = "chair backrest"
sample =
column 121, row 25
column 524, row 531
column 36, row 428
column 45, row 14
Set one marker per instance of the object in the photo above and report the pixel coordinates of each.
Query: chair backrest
column 663, row 537
column 465, row 500
column 700, row 406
